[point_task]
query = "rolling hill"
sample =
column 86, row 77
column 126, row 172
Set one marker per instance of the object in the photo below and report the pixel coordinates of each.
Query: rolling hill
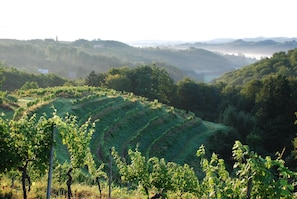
column 123, row 121
column 77, row 59
column 281, row 63
column 250, row 47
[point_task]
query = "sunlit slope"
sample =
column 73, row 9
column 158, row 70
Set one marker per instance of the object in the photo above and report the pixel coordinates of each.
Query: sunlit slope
column 125, row 121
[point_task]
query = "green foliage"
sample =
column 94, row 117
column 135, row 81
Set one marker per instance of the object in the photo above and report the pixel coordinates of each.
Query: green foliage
column 275, row 112
column 197, row 97
column 118, row 82
column 156, row 174
column 94, row 79
column 151, row 82
column 25, row 144
column 252, row 177
column 243, row 122
column 28, row 139
column 217, row 182
column 77, row 139
column 266, row 178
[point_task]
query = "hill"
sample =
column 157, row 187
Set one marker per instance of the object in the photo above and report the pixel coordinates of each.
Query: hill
column 124, row 121
column 281, row 63
column 253, row 47
column 77, row 59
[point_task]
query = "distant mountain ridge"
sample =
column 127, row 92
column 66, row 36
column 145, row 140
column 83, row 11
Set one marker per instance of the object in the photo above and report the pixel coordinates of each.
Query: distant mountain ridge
column 77, row 59
column 251, row 47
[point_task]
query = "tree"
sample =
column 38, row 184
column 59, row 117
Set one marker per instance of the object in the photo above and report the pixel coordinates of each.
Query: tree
column 7, row 151
column 94, row 79
column 163, row 85
column 152, row 82
column 249, row 93
column 29, row 141
column 197, row 97
column 25, row 143
column 118, row 82
column 135, row 171
column 188, row 94
column 275, row 113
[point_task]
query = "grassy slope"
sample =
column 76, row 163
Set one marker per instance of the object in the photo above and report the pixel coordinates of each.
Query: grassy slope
column 125, row 121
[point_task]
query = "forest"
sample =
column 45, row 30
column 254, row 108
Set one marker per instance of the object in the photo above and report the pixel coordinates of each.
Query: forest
column 176, row 138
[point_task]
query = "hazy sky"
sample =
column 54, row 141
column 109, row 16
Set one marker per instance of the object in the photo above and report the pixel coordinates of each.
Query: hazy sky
column 130, row 20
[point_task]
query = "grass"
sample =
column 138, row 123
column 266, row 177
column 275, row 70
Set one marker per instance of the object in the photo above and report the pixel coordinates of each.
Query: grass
column 79, row 191
column 59, row 190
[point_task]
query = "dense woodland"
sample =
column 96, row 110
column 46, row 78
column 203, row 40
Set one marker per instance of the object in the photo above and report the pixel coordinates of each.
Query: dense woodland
column 257, row 103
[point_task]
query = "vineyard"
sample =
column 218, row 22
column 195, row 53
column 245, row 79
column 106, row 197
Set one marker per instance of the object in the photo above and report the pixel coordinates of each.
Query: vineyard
column 156, row 149
column 124, row 121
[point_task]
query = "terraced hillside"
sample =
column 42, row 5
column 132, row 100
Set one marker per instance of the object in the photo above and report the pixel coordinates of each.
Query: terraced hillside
column 123, row 121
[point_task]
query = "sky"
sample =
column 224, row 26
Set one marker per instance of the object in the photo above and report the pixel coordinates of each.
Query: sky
column 134, row 20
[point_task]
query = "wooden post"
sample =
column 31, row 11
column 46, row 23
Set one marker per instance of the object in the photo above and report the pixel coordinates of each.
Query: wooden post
column 110, row 173
column 50, row 171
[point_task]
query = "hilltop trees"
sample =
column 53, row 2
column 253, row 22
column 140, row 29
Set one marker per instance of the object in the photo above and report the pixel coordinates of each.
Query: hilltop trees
column 94, row 79
column 151, row 82
column 200, row 98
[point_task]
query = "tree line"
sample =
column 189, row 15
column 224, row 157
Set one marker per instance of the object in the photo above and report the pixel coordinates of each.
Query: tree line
column 13, row 79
